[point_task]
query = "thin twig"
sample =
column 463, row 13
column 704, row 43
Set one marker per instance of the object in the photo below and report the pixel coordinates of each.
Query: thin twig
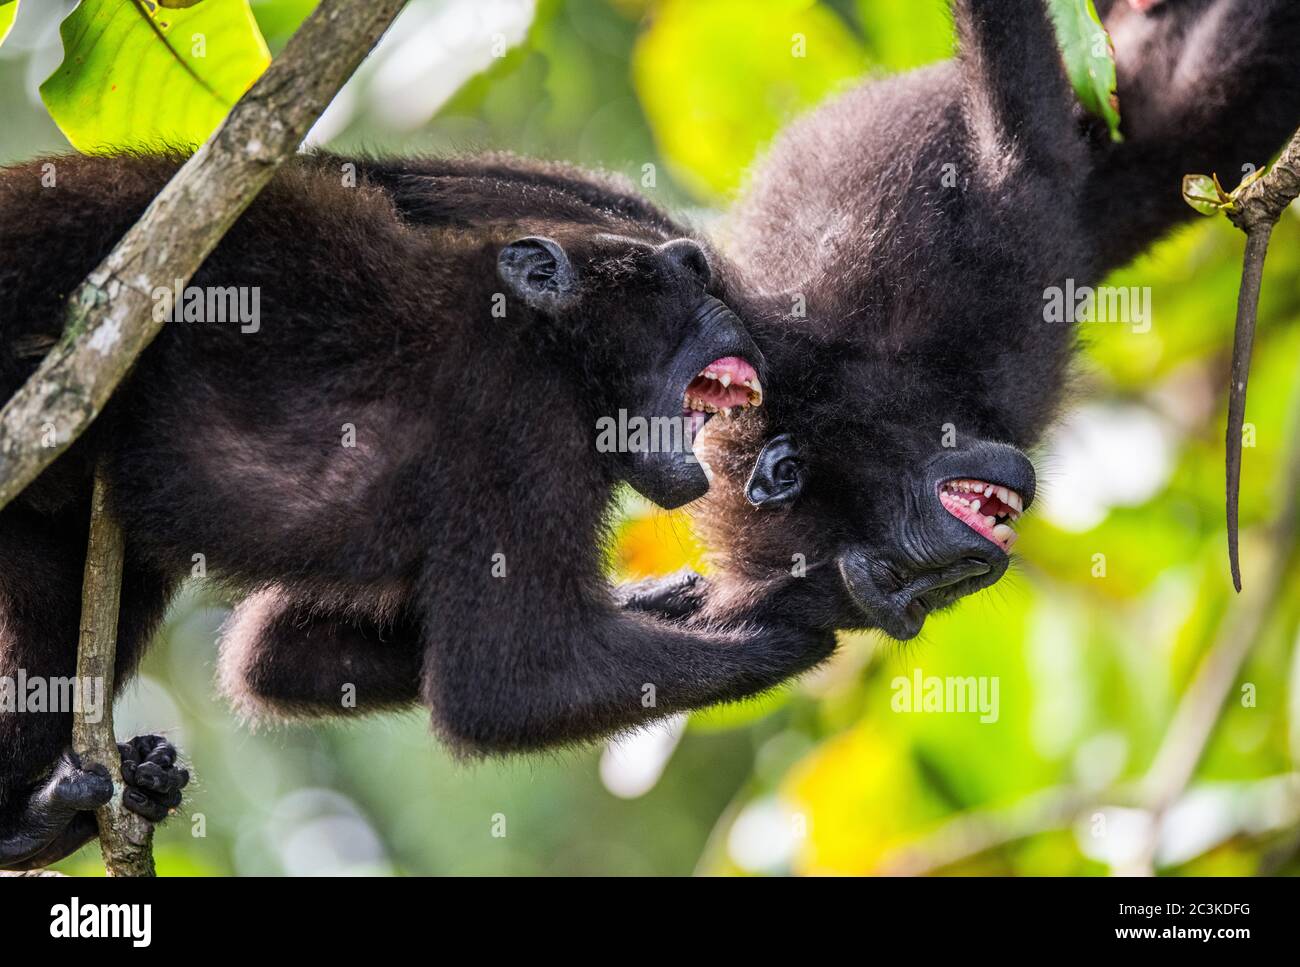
column 125, row 838
column 1255, row 211
column 1243, row 341
column 109, row 319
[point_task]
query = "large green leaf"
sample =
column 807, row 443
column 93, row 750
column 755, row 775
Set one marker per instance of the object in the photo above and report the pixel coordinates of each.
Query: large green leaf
column 8, row 10
column 1089, row 59
column 135, row 74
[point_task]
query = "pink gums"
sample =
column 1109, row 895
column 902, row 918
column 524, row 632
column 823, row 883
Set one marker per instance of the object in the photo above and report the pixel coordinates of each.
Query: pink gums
column 973, row 519
column 711, row 390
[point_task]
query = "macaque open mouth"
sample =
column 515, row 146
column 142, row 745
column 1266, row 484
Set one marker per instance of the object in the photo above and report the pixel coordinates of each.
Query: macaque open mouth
column 727, row 386
column 989, row 509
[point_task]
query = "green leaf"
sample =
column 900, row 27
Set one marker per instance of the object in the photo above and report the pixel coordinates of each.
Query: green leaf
column 8, row 10
column 1204, row 194
column 138, row 75
column 1089, row 59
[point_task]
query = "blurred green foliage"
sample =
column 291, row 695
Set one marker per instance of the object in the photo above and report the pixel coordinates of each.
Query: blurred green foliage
column 719, row 79
column 1092, row 638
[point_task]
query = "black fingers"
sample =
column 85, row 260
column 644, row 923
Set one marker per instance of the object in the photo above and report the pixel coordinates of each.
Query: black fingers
column 77, row 789
column 674, row 597
column 153, row 779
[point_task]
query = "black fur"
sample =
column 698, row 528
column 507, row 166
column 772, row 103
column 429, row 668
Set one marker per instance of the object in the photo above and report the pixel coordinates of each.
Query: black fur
column 922, row 285
column 919, row 221
column 464, row 528
column 925, row 294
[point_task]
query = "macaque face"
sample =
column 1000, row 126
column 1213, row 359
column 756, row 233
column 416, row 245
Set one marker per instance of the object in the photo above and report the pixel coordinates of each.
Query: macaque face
column 874, row 514
column 663, row 357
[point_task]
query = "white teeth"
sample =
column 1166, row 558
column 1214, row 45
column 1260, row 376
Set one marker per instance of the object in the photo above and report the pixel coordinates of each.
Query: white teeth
column 725, row 380
column 1005, row 535
column 980, row 491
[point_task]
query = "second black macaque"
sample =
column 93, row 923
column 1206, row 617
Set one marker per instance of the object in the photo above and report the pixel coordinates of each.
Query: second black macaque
column 929, row 221
column 400, row 442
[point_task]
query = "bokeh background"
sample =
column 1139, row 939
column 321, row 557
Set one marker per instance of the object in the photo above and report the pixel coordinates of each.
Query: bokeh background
column 1119, row 607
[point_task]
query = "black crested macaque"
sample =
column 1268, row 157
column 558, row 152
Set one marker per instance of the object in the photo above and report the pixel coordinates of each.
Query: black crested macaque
column 411, row 436
column 925, row 219
column 920, row 221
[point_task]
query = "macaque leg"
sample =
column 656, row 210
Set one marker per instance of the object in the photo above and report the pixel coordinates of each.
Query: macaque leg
column 284, row 657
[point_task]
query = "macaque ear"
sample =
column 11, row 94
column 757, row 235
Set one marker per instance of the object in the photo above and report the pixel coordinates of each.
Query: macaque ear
column 778, row 475
column 687, row 253
column 537, row 271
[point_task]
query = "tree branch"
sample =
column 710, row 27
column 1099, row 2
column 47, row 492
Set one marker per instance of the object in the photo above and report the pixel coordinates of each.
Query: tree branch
column 109, row 320
column 1255, row 210
column 109, row 323
column 1264, row 201
column 125, row 838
